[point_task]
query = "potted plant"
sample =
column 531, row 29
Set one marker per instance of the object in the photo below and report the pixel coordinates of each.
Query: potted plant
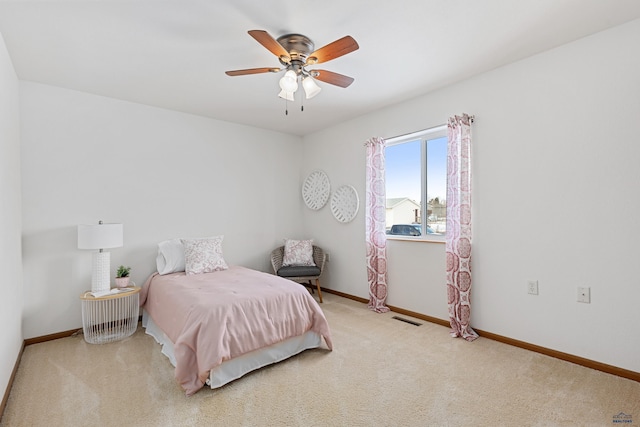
column 122, row 276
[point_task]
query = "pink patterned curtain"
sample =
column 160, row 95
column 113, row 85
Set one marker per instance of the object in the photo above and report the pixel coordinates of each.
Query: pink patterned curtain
column 376, row 237
column 458, row 246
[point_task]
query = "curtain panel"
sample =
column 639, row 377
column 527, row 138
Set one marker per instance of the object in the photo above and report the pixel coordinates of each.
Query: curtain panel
column 375, row 233
column 458, row 238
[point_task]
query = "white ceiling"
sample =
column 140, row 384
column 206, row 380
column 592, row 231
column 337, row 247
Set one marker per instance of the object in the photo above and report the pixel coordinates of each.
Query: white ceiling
column 173, row 53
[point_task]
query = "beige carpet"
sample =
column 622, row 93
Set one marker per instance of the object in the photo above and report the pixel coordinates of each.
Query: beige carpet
column 383, row 372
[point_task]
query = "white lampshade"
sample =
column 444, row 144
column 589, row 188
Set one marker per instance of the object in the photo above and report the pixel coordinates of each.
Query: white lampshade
column 289, row 82
column 286, row 95
column 310, row 87
column 100, row 236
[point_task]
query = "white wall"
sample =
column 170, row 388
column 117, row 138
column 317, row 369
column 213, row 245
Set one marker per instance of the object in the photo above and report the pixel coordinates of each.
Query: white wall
column 162, row 174
column 557, row 132
column 10, row 219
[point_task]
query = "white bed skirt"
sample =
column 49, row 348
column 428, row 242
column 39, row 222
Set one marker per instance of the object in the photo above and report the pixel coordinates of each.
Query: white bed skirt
column 239, row 366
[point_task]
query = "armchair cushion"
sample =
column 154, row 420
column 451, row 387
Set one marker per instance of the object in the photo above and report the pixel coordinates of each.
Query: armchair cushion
column 299, row 271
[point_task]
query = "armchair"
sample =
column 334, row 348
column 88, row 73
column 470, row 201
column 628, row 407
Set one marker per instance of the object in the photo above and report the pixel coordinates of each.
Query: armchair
column 300, row 274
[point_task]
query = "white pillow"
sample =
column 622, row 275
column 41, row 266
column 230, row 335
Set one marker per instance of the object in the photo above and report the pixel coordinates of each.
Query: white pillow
column 203, row 255
column 170, row 257
column 298, row 253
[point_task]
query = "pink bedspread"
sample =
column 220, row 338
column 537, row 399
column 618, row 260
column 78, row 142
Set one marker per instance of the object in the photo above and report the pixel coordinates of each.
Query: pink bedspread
column 215, row 317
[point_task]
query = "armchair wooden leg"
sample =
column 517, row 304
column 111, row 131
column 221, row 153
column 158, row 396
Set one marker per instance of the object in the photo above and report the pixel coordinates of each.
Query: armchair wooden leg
column 318, row 287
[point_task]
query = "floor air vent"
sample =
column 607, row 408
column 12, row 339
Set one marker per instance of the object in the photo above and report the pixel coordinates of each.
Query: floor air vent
column 411, row 322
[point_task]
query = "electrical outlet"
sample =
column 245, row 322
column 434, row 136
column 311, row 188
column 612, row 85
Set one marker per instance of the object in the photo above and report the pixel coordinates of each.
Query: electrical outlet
column 327, row 256
column 584, row 295
column 532, row 287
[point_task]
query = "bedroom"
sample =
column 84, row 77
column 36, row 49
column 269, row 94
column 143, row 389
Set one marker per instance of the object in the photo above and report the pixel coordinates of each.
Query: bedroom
column 559, row 127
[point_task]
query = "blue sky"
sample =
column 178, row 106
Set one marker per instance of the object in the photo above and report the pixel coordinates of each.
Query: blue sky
column 403, row 169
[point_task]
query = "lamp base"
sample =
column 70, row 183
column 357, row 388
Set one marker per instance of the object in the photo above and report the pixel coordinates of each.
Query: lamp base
column 100, row 280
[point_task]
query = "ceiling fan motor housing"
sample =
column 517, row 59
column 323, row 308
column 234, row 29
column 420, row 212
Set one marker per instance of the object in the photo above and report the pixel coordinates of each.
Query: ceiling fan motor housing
column 298, row 46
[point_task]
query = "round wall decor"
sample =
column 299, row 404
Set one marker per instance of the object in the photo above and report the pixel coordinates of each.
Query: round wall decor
column 316, row 189
column 345, row 203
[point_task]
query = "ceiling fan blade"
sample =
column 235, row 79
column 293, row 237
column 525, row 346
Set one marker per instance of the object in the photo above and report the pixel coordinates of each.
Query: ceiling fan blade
column 252, row 71
column 334, row 50
column 271, row 44
column 332, row 78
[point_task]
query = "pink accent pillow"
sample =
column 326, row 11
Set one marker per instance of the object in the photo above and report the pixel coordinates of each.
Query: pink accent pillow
column 298, row 253
column 203, row 255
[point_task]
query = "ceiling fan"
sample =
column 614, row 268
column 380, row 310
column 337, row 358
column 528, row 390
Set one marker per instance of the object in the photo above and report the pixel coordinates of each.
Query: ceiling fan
column 296, row 52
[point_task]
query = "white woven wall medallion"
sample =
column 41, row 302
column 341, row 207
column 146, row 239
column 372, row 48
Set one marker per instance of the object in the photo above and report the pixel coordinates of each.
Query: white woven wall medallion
column 316, row 189
column 345, row 203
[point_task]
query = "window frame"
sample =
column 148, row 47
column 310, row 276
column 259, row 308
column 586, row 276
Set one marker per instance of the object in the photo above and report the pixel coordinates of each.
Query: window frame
column 424, row 136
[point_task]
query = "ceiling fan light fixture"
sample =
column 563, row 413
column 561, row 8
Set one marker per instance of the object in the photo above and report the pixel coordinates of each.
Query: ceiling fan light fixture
column 286, row 95
column 310, row 87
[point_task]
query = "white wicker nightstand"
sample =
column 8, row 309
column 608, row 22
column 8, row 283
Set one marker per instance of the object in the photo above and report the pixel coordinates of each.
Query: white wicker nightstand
column 110, row 317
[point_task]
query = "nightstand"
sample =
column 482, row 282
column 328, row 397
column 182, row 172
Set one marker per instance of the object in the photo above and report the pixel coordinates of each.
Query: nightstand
column 111, row 317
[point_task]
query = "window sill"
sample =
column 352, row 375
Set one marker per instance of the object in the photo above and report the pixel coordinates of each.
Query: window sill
column 416, row 239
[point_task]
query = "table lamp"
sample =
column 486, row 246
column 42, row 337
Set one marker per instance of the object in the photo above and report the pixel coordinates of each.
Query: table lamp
column 100, row 236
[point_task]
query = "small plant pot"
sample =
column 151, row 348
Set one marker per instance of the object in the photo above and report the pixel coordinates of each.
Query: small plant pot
column 122, row 282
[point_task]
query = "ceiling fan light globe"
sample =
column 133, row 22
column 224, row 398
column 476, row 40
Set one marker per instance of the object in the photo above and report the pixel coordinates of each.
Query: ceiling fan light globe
column 288, row 86
column 310, row 87
column 289, row 82
column 286, row 95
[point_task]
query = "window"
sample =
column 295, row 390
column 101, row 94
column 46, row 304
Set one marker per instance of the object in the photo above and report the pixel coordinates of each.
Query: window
column 416, row 185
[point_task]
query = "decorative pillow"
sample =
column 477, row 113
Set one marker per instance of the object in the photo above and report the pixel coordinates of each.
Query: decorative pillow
column 170, row 257
column 298, row 253
column 203, row 255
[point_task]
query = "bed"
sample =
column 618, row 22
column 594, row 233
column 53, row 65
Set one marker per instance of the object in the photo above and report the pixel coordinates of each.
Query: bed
column 217, row 326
